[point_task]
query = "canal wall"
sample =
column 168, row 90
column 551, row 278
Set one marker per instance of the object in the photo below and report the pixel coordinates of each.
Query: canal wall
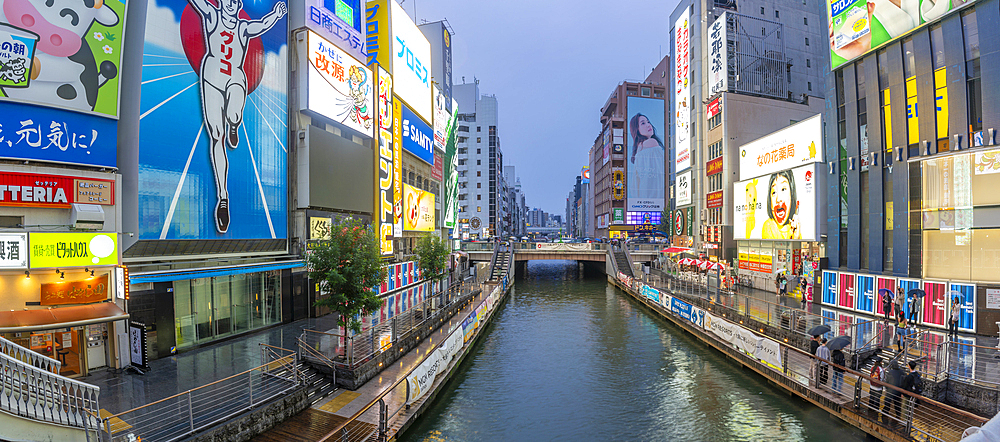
column 413, row 411
column 776, row 378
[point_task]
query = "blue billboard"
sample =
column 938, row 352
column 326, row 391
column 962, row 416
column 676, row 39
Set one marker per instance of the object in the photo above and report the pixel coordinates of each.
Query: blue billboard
column 418, row 137
column 48, row 134
column 213, row 121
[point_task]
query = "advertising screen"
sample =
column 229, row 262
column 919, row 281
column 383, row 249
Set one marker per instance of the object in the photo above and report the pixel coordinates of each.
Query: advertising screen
column 798, row 144
column 387, row 164
column 213, row 127
column 340, row 87
column 419, row 214
column 682, row 93
column 644, row 160
column 65, row 61
column 418, row 137
column 340, row 22
column 684, row 187
column 858, row 26
column 777, row 206
column 411, row 63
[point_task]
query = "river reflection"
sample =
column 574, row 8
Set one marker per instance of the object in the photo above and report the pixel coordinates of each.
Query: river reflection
column 571, row 358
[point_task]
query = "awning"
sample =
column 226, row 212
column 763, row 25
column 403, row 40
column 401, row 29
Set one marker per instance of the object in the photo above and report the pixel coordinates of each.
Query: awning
column 180, row 275
column 61, row 317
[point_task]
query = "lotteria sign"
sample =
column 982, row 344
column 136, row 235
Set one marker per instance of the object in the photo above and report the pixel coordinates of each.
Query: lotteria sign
column 53, row 191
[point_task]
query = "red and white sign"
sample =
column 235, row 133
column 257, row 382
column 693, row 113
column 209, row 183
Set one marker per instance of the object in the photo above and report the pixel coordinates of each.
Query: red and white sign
column 714, row 107
column 713, row 167
column 55, row 191
column 714, row 200
column 437, row 170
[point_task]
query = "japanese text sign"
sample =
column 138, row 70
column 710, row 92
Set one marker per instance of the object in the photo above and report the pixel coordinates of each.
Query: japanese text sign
column 54, row 191
column 713, row 167
column 340, row 87
column 13, row 250
column 798, row 144
column 682, row 93
column 718, row 57
column 411, row 63
column 84, row 291
column 331, row 24
column 54, row 135
column 72, row 249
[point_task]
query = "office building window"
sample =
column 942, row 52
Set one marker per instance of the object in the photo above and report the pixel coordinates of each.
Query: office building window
column 479, row 139
column 912, row 114
column 805, row 21
column 776, row 14
column 761, row 10
column 807, row 41
column 479, row 185
column 479, row 173
column 809, row 84
column 479, row 197
column 479, row 128
column 479, row 208
column 479, row 162
column 479, row 151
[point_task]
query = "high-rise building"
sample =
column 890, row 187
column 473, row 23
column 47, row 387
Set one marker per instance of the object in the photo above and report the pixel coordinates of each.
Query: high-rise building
column 911, row 139
column 480, row 162
column 739, row 71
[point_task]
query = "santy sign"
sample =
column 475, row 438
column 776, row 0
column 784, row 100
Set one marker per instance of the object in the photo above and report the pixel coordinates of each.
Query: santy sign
column 53, row 191
column 794, row 146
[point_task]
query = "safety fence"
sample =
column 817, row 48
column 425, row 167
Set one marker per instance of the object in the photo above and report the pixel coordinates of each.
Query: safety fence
column 184, row 414
column 841, row 389
column 352, row 350
column 379, row 419
column 37, row 393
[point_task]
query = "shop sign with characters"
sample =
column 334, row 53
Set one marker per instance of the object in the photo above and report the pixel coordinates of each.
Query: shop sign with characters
column 794, row 146
column 13, row 250
column 340, row 87
column 72, row 249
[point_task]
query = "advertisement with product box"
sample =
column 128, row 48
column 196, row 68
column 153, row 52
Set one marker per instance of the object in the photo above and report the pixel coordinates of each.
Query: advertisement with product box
column 782, row 205
column 644, row 159
column 340, row 88
column 419, row 213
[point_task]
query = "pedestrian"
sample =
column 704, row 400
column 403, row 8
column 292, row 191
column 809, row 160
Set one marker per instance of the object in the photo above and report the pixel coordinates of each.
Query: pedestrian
column 956, row 313
column 913, row 383
column 823, row 353
column 839, row 361
column 894, row 377
column 813, row 345
column 900, row 298
column 887, row 305
column 914, row 306
column 802, row 290
column 900, row 334
column 875, row 387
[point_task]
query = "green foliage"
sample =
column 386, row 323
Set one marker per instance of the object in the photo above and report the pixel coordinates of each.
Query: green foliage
column 664, row 225
column 432, row 257
column 348, row 266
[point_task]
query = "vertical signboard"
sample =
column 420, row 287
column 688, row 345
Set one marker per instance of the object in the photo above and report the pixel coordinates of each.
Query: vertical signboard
column 59, row 69
column 682, row 93
column 846, row 286
column 865, row 300
column 387, row 172
column 411, row 63
column 397, row 162
column 213, row 121
column 829, row 288
column 718, row 56
column 645, row 154
column 378, row 34
column 684, row 189
column 451, row 172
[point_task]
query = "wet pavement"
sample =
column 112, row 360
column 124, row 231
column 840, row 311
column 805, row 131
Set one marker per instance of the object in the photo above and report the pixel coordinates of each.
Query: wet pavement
column 125, row 390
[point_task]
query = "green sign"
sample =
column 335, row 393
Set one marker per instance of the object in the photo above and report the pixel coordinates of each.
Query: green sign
column 690, row 220
column 618, row 216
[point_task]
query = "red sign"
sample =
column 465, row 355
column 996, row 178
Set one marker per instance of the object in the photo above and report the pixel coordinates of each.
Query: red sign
column 55, row 191
column 714, row 107
column 713, row 167
column 437, row 170
column 714, row 200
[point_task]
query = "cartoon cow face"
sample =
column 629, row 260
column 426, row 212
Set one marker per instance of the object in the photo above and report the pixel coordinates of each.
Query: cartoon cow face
column 65, row 72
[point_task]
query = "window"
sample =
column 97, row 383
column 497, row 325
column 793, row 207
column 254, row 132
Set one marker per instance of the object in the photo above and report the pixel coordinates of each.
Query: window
column 479, row 173
column 479, row 208
column 761, row 10
column 479, row 162
column 842, row 156
column 715, row 121
column 479, row 128
column 810, row 85
column 861, row 89
column 809, row 63
column 912, row 109
column 479, row 197
column 646, row 91
column 776, row 14
column 805, row 20
column 807, row 41
column 941, row 88
column 479, row 151
column 479, row 185
column 479, row 139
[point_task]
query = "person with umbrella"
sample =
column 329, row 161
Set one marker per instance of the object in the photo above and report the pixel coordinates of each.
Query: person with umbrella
column 823, row 353
column 886, row 302
column 914, row 304
column 956, row 314
column 839, row 360
column 900, row 297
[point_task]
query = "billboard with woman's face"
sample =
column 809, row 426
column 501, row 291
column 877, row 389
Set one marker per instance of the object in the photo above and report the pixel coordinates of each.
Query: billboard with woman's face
column 645, row 153
column 777, row 206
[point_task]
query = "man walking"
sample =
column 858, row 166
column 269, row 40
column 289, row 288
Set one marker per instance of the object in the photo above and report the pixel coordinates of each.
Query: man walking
column 875, row 387
column 913, row 383
column 823, row 353
column 837, row 357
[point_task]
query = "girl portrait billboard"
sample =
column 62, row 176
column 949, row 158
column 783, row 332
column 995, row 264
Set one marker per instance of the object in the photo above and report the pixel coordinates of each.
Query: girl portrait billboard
column 645, row 154
column 777, row 206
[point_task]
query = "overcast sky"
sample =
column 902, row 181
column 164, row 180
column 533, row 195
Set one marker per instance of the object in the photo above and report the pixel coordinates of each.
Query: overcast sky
column 552, row 65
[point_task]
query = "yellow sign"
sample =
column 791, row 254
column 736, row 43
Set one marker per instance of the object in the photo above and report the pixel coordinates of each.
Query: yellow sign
column 941, row 100
column 319, row 228
column 419, row 213
column 888, row 215
column 887, row 121
column 912, row 111
column 72, row 249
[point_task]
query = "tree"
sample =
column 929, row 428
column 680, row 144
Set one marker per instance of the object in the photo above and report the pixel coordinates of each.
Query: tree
column 432, row 256
column 664, row 225
column 348, row 267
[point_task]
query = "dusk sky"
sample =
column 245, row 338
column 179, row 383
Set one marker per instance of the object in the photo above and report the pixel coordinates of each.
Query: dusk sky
column 552, row 65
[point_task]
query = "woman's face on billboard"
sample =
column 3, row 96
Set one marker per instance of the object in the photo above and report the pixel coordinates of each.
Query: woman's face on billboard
column 645, row 129
column 781, row 199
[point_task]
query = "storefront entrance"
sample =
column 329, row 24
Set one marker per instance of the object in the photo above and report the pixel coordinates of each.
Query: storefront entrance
column 64, row 345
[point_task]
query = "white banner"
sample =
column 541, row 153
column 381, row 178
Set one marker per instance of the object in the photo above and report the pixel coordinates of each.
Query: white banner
column 768, row 351
column 725, row 330
column 564, row 246
column 682, row 93
column 684, row 189
column 718, row 57
column 798, row 144
column 745, row 340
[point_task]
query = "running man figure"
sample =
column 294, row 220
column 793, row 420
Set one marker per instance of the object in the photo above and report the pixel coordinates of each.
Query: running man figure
column 224, row 83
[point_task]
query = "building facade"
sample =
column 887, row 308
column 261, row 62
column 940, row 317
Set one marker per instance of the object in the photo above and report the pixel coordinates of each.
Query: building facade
column 482, row 198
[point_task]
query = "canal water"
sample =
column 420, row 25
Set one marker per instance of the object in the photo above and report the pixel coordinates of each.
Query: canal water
column 572, row 358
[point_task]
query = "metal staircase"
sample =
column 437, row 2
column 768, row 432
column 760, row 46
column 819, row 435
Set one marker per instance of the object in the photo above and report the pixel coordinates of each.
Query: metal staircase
column 502, row 258
column 621, row 261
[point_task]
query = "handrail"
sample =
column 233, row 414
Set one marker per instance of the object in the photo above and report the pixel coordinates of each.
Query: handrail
column 29, row 357
column 35, row 393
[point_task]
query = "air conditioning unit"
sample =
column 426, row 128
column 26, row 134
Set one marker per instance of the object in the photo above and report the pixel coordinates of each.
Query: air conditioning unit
column 86, row 217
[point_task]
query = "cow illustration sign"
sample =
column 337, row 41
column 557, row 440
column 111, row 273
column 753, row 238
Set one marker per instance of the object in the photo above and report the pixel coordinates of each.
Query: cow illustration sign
column 213, row 120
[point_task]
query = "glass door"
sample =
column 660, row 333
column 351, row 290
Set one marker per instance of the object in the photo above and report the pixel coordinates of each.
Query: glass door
column 223, row 306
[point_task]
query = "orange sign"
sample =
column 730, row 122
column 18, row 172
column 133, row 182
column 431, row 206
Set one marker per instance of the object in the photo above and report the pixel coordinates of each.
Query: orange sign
column 713, row 167
column 714, row 200
column 75, row 292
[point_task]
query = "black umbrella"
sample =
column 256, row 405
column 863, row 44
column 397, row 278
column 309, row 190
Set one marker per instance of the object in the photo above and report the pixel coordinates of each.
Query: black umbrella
column 917, row 293
column 839, row 343
column 819, row 330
